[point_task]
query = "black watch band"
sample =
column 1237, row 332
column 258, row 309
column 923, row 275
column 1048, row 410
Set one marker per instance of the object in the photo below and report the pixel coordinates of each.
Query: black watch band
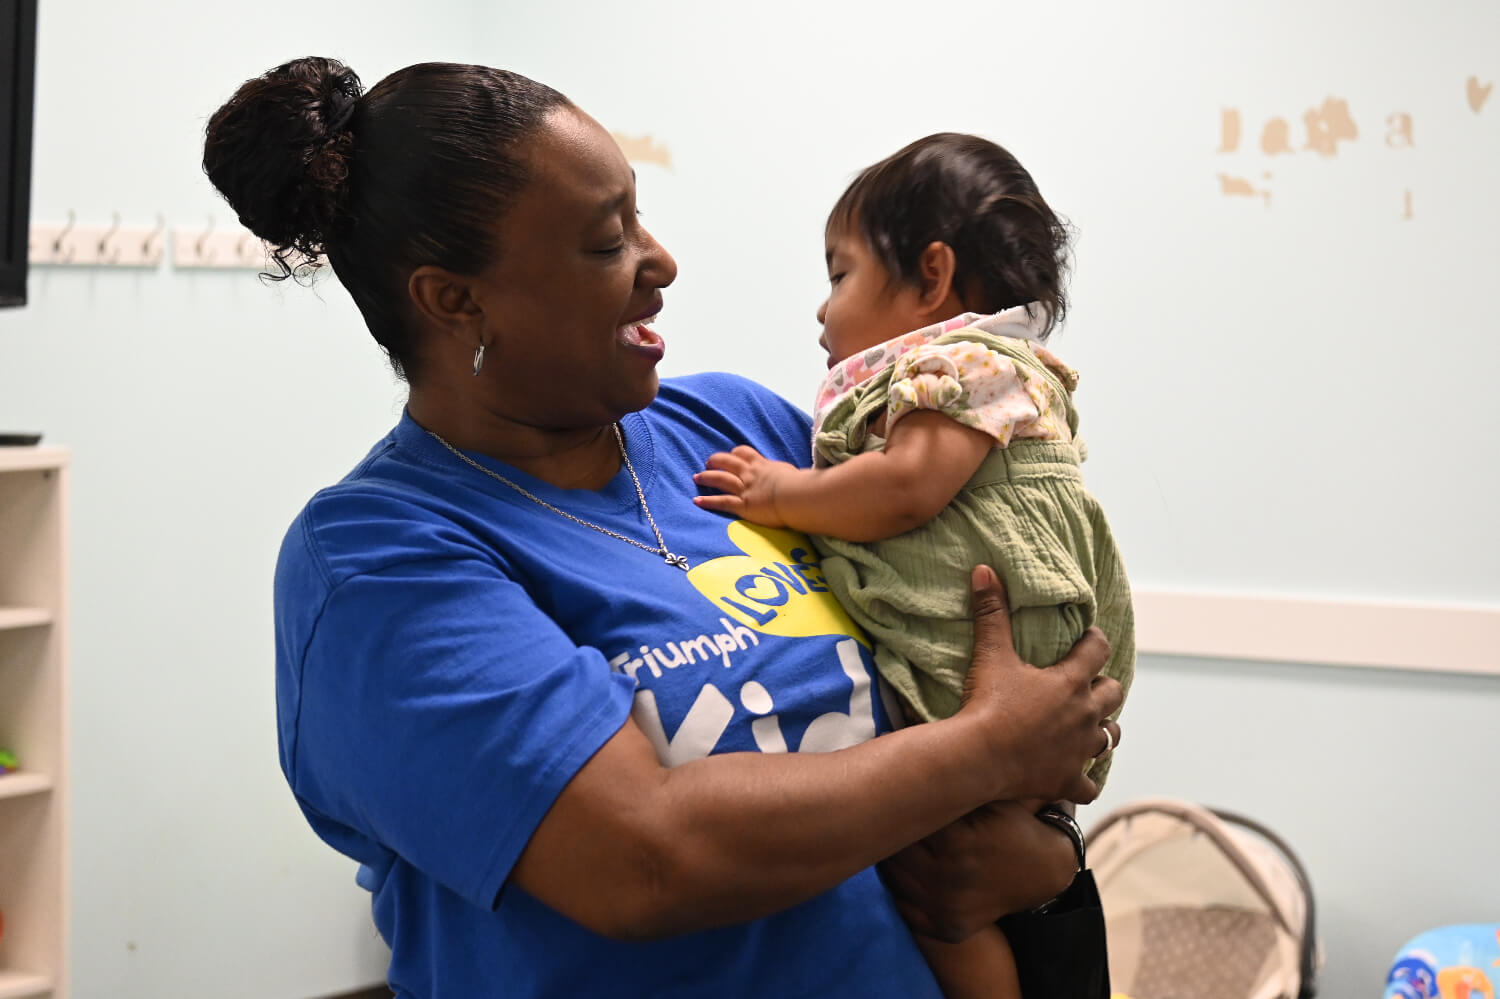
column 1055, row 816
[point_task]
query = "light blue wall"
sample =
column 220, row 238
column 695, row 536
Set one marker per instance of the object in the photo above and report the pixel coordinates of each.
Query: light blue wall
column 203, row 410
column 1290, row 400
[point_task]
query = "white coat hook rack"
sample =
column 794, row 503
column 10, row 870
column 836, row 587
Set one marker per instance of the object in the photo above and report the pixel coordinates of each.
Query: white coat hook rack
column 69, row 244
column 220, row 249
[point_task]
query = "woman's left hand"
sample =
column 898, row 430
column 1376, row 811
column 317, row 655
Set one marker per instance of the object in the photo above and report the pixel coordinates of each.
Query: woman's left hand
column 994, row 861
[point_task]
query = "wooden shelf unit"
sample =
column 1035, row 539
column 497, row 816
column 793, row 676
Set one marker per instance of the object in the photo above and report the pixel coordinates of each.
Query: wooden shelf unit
column 33, row 723
column 24, row 617
column 14, row 985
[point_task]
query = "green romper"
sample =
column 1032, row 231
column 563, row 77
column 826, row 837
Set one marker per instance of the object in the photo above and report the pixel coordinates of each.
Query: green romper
column 1025, row 512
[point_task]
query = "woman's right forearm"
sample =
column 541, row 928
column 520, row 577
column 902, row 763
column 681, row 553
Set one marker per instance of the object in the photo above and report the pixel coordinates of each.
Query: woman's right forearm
column 633, row 850
column 818, row 818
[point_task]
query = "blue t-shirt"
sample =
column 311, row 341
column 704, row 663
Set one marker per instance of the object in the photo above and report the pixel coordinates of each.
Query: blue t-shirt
column 450, row 653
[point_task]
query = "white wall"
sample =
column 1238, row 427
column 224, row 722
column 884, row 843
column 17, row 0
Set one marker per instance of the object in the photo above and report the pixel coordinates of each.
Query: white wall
column 203, row 410
column 1279, row 399
column 1289, row 399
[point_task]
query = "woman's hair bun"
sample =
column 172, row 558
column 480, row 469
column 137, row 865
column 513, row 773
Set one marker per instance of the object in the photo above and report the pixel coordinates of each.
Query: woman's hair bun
column 279, row 151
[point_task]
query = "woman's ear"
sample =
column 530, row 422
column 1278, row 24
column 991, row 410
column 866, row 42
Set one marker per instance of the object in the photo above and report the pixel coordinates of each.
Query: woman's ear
column 936, row 269
column 442, row 299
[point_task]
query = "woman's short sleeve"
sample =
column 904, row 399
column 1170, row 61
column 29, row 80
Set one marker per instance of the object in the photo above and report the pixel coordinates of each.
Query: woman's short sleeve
column 978, row 387
column 437, row 711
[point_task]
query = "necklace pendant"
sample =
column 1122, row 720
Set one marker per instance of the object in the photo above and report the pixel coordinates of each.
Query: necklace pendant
column 677, row 560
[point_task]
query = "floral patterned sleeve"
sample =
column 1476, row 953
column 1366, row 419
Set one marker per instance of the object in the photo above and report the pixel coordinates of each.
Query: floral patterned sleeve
column 982, row 389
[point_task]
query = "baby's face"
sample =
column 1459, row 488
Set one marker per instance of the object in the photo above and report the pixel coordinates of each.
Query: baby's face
column 866, row 306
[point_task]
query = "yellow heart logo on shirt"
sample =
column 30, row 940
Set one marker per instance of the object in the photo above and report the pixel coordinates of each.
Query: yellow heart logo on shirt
column 775, row 587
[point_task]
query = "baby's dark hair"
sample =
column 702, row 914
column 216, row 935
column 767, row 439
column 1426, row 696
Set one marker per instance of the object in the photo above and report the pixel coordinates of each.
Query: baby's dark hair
column 1011, row 248
column 414, row 172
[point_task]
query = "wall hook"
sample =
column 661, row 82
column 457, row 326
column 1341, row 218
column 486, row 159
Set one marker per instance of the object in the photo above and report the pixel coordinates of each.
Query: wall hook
column 217, row 248
column 203, row 240
column 103, row 251
column 161, row 227
column 245, row 249
column 57, row 241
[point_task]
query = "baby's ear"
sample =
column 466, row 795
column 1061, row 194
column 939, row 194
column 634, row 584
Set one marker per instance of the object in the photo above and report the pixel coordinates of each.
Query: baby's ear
column 935, row 270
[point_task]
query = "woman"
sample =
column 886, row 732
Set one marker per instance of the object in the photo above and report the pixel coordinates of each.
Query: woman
column 496, row 635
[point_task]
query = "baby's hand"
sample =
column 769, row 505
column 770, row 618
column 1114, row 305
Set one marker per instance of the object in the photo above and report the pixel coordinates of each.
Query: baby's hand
column 748, row 481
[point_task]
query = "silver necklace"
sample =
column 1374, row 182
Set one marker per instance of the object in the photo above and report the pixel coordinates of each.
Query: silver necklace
column 661, row 545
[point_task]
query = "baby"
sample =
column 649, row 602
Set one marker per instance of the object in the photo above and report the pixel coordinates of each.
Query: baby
column 945, row 437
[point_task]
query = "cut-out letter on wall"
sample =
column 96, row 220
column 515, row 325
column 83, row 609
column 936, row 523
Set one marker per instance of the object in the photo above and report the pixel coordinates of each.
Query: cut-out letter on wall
column 1329, row 125
column 1229, row 130
column 644, row 149
column 1477, row 93
column 1398, row 131
column 1276, row 137
column 1240, row 187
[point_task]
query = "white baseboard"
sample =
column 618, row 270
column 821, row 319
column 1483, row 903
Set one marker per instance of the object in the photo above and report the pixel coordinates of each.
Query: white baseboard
column 1443, row 638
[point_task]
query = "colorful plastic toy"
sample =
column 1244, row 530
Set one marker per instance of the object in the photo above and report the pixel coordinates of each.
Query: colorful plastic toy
column 1453, row 962
column 8, row 761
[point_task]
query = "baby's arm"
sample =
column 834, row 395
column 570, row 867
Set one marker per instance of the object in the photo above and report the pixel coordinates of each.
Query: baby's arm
column 872, row 496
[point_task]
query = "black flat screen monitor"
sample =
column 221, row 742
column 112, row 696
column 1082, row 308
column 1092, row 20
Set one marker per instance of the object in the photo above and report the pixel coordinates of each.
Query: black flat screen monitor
column 17, row 90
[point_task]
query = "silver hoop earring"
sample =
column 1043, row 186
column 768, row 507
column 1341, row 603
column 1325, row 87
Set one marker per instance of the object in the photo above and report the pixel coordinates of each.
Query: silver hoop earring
column 478, row 359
